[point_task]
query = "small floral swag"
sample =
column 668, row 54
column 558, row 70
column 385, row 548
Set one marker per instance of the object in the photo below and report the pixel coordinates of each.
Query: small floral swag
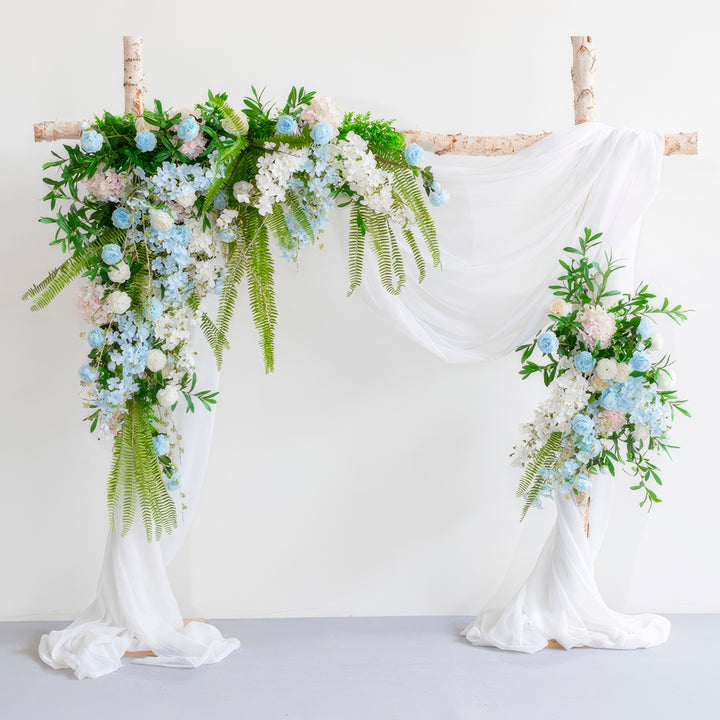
column 612, row 396
column 159, row 212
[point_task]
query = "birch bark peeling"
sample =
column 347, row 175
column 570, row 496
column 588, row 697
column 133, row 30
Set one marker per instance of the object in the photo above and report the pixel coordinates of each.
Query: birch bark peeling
column 583, row 78
column 583, row 502
column 63, row 130
column 134, row 78
column 459, row 144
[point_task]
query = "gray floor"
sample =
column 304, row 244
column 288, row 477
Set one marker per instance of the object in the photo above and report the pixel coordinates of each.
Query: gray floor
column 376, row 669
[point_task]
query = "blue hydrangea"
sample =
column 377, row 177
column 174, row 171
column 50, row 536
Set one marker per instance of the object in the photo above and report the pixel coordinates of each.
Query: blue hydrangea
column 88, row 374
column 174, row 482
column 414, row 154
column 584, row 361
column 96, row 338
column 161, row 445
column 322, row 133
column 188, row 128
column 583, row 424
column 438, row 195
column 645, row 328
column 547, row 342
column 145, row 140
column 583, row 483
column 220, row 200
column 121, row 218
column 111, row 254
column 286, row 125
column 154, row 310
column 91, row 141
column 640, row 362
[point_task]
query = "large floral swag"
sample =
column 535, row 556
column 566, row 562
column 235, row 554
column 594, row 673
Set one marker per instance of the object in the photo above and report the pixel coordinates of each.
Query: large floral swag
column 159, row 212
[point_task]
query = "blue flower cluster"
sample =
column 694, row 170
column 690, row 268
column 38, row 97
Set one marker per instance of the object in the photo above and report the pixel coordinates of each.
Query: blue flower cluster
column 548, row 342
column 286, row 125
column 170, row 262
column 641, row 403
column 172, row 181
column 438, row 195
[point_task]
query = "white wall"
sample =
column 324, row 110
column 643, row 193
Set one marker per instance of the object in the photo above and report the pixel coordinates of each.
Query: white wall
column 365, row 477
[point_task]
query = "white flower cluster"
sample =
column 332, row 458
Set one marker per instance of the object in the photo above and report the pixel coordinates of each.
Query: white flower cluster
column 274, row 172
column 172, row 328
column 208, row 253
column 322, row 110
column 569, row 394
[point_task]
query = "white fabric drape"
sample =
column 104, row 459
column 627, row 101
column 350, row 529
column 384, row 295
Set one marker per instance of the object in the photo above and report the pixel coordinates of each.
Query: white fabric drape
column 500, row 238
column 135, row 608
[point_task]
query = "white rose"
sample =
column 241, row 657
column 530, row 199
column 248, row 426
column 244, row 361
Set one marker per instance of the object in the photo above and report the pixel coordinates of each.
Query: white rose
column 160, row 220
column 118, row 302
column 167, row 396
column 120, row 274
column 156, row 360
column 666, row 380
column 622, row 372
column 657, row 341
column 606, row 368
column 187, row 200
column 559, row 308
column 242, row 190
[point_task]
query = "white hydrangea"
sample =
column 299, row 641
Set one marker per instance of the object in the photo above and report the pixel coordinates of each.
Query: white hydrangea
column 173, row 328
column 274, row 172
column 242, row 190
column 322, row 109
column 226, row 218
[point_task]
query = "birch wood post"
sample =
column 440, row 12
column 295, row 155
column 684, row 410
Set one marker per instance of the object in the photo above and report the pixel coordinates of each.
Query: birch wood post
column 133, row 80
column 583, row 78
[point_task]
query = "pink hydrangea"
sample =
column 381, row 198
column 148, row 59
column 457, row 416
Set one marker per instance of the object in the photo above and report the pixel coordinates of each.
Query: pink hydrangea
column 610, row 421
column 598, row 326
column 322, row 110
column 192, row 148
column 107, row 185
column 90, row 303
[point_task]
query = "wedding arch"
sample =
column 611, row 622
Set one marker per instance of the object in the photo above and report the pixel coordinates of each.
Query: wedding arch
column 182, row 207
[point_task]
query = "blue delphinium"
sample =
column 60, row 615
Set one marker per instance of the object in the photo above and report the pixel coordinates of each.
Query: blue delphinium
column 286, row 125
column 640, row 362
column 96, row 338
column 111, row 254
column 322, row 133
column 91, row 141
column 414, row 154
column 121, row 218
column 145, row 140
column 188, row 128
column 161, row 445
column 548, row 342
column 438, row 195
column 645, row 328
column 584, row 361
column 88, row 374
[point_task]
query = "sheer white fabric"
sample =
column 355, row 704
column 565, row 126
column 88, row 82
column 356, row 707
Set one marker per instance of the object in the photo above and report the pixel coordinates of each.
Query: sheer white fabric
column 135, row 608
column 500, row 239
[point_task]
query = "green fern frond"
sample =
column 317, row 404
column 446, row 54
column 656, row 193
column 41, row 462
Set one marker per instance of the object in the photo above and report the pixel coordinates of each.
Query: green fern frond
column 60, row 277
column 356, row 249
column 398, row 267
column 293, row 202
column 261, row 276
column 279, row 228
column 378, row 231
column 228, row 298
column 419, row 259
column 543, row 458
column 235, row 123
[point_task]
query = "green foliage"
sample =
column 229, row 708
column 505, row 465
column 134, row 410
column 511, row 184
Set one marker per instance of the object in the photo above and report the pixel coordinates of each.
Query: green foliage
column 379, row 134
column 356, row 248
column 262, row 293
column 136, row 478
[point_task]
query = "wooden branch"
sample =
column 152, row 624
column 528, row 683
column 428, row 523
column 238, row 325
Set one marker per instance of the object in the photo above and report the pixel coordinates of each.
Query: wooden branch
column 681, row 144
column 134, row 78
column 63, row 130
column 583, row 503
column 583, row 77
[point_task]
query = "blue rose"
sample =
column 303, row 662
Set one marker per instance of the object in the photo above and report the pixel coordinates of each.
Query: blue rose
column 548, row 343
column 583, row 483
column 322, row 133
column 145, row 141
column 111, row 254
column 91, row 141
column 583, row 425
column 121, row 218
column 188, row 128
column 88, row 374
column 438, row 195
column 286, row 125
column 609, row 399
column 645, row 328
column 161, row 445
column 596, row 449
column 414, row 154
column 96, row 338
column 640, row 362
column 584, row 361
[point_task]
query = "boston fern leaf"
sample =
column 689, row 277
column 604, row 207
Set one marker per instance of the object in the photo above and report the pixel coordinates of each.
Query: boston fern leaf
column 60, row 277
column 380, row 236
column 356, row 249
column 261, row 287
column 136, row 478
column 543, row 458
column 419, row 259
column 228, row 298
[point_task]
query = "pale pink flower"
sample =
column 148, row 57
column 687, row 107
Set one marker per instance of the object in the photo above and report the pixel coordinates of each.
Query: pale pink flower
column 322, row 110
column 610, row 421
column 90, row 305
column 598, row 326
column 107, row 185
column 192, row 148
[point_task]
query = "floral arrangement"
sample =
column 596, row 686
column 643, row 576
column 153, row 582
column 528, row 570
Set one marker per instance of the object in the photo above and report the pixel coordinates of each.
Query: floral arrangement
column 612, row 396
column 159, row 212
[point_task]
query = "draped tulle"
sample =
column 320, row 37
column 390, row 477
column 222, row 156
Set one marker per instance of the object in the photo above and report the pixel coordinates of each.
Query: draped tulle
column 135, row 608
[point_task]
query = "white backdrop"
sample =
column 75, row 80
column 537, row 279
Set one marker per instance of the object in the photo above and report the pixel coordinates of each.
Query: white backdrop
column 365, row 477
